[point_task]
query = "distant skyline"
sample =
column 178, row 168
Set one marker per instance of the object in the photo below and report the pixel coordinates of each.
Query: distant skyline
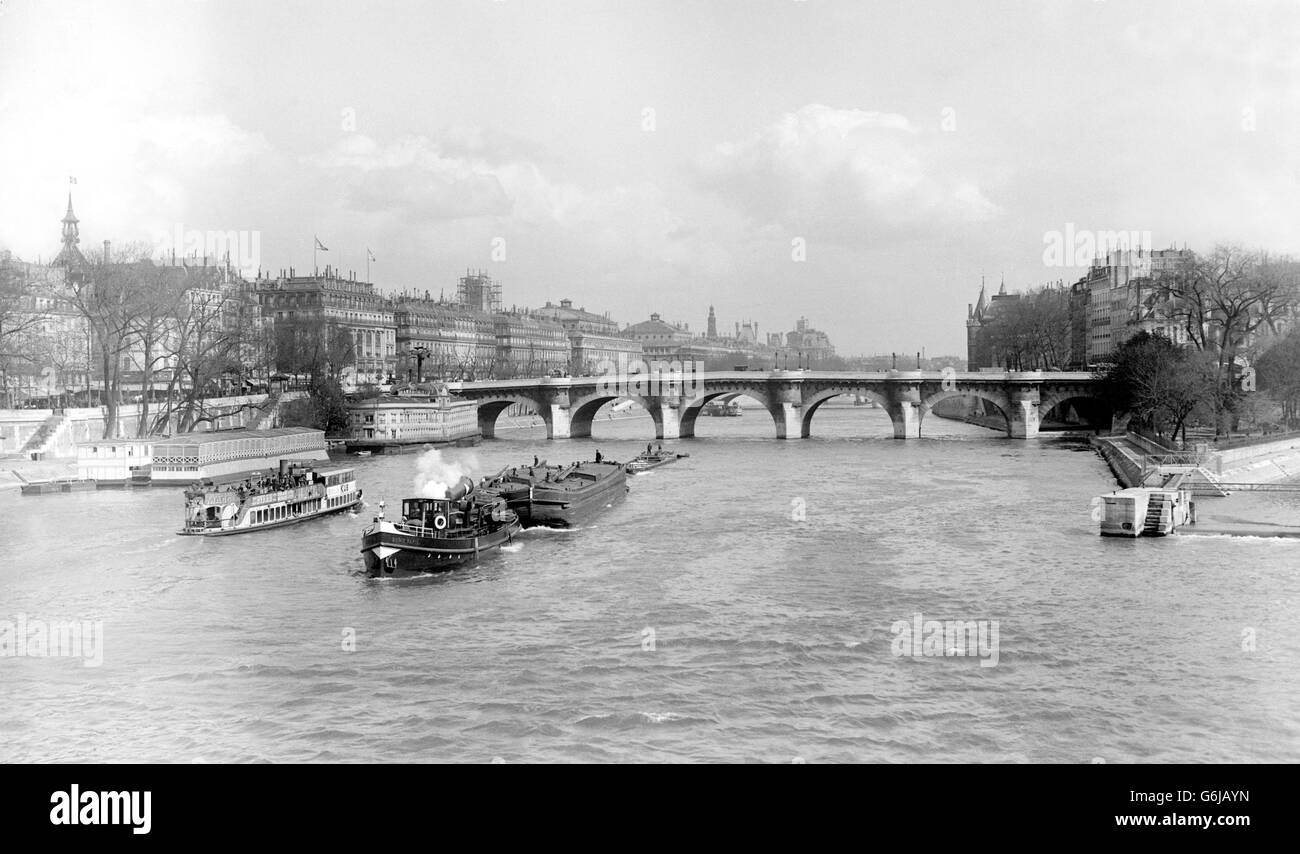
column 862, row 164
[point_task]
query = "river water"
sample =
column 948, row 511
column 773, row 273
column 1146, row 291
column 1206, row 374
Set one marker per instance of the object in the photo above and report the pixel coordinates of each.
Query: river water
column 740, row 605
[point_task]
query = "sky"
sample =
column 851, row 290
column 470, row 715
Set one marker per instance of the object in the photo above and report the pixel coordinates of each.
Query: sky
column 863, row 164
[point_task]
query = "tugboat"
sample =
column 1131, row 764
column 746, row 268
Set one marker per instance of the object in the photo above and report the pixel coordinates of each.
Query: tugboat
column 652, row 459
column 559, row 496
column 268, row 499
column 437, row 534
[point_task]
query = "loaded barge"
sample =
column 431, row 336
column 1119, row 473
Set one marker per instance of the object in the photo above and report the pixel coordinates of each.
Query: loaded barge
column 559, row 496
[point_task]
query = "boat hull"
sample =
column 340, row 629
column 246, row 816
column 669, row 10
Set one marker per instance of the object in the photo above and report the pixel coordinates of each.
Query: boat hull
column 393, row 554
column 571, row 511
column 654, row 461
column 280, row 523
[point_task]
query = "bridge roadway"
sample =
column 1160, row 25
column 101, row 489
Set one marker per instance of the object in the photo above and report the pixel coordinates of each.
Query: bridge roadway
column 675, row 399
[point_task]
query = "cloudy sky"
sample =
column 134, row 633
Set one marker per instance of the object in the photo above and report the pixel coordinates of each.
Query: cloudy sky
column 860, row 163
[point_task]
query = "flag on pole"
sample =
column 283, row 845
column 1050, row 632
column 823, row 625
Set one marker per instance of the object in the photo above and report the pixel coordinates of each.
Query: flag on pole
column 319, row 245
column 71, row 180
column 370, row 254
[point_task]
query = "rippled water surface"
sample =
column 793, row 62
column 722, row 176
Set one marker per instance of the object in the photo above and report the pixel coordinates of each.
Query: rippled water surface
column 771, row 636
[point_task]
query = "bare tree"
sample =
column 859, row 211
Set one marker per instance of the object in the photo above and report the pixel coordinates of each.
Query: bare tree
column 109, row 293
column 200, row 349
column 1031, row 332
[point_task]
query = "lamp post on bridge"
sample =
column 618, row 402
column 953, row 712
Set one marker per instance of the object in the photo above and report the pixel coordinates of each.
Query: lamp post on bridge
column 420, row 353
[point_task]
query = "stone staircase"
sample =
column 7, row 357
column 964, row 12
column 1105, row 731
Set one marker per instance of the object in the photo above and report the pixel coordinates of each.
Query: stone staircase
column 265, row 419
column 45, row 436
column 1154, row 523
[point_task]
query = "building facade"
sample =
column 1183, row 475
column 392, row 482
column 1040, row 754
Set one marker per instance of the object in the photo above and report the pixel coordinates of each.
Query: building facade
column 356, row 307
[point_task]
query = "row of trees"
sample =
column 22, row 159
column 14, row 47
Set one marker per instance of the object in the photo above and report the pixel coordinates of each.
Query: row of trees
column 1210, row 331
column 177, row 334
column 184, row 331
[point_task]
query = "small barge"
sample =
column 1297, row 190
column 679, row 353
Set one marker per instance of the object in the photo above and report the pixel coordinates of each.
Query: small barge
column 652, row 459
column 723, row 410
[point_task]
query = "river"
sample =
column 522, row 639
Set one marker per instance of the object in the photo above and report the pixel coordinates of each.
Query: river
column 745, row 604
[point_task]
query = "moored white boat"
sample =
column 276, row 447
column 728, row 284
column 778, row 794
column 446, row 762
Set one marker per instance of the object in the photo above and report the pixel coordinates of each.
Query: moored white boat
column 1144, row 512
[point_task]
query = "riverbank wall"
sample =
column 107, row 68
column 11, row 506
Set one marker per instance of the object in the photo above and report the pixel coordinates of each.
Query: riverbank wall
column 65, row 428
column 1264, row 462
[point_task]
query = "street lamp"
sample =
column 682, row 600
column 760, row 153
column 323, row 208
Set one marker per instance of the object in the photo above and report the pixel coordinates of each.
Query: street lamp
column 420, row 353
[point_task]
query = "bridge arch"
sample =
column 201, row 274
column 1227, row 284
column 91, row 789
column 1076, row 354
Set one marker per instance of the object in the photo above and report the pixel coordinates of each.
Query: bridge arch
column 490, row 409
column 583, row 411
column 690, row 412
column 1097, row 412
column 998, row 399
column 813, row 403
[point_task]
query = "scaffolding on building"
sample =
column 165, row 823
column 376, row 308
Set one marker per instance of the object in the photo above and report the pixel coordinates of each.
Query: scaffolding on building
column 477, row 289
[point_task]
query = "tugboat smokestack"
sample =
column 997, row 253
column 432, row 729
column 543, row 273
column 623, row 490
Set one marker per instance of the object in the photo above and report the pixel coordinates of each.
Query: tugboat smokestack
column 463, row 487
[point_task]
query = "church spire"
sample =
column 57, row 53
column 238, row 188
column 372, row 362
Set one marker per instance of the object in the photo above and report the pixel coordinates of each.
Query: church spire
column 70, row 255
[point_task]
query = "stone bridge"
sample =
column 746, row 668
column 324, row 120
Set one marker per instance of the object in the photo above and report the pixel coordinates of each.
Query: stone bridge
column 675, row 400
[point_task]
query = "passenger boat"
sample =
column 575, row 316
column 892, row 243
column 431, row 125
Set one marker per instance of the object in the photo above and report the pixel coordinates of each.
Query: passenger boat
column 1144, row 512
column 271, row 499
column 652, row 459
column 731, row 409
column 437, row 534
column 559, row 496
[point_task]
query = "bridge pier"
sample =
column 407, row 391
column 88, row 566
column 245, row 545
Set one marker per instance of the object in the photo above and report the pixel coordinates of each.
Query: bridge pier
column 904, row 405
column 789, row 420
column 906, row 415
column 785, row 404
column 558, row 422
column 1024, row 413
column 667, row 415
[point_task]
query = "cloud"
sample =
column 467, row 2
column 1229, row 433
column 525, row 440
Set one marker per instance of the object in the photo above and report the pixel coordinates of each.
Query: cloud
column 1256, row 37
column 842, row 173
column 203, row 141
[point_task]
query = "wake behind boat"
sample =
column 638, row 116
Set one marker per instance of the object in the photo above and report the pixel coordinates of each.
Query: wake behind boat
column 437, row 534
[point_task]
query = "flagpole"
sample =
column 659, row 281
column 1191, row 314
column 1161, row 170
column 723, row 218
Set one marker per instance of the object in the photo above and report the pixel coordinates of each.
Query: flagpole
column 314, row 268
column 367, row 265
